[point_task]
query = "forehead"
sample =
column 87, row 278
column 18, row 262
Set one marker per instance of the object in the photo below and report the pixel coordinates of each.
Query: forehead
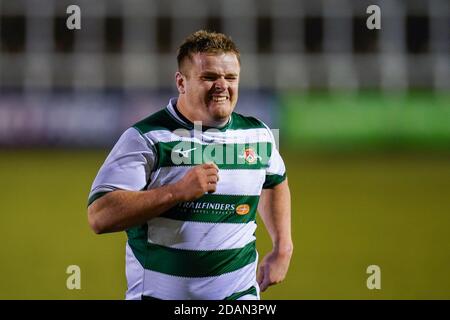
column 218, row 63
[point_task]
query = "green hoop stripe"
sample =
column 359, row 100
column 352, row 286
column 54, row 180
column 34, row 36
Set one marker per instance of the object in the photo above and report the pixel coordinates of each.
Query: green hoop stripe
column 237, row 295
column 272, row 180
column 222, row 209
column 191, row 263
column 234, row 296
column 161, row 120
column 96, row 196
column 226, row 156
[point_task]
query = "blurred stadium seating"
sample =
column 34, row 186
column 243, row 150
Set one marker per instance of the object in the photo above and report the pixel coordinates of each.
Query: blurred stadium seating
column 120, row 65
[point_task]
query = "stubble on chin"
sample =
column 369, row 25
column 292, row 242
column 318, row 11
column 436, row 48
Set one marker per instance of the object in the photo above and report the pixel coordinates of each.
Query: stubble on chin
column 220, row 112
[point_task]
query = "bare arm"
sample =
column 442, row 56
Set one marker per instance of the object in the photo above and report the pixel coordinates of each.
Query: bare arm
column 120, row 210
column 275, row 211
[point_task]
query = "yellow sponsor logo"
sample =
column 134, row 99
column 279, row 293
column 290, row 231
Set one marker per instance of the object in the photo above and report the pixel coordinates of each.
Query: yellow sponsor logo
column 242, row 209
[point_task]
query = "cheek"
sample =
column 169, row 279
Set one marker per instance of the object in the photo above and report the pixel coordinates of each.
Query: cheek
column 205, row 88
column 199, row 92
column 234, row 91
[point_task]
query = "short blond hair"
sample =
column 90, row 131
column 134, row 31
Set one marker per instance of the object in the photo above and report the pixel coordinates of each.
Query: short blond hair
column 205, row 41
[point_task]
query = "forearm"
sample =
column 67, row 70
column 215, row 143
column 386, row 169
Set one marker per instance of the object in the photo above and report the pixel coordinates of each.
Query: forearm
column 275, row 211
column 120, row 210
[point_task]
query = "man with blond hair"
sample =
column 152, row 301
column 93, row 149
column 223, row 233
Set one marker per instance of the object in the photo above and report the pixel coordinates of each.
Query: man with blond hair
column 186, row 182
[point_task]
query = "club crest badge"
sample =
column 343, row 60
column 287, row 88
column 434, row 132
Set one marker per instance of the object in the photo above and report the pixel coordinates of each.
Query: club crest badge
column 250, row 156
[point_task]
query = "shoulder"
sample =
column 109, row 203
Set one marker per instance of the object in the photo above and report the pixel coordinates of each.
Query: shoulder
column 240, row 121
column 160, row 120
column 253, row 126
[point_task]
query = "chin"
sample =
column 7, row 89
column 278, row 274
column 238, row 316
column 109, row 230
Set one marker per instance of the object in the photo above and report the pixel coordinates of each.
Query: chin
column 220, row 112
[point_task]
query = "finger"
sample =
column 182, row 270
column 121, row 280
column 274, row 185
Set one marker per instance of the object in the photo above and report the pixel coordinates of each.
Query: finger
column 213, row 179
column 266, row 280
column 260, row 275
column 211, row 165
column 215, row 166
column 211, row 187
column 264, row 285
column 211, row 172
column 208, row 165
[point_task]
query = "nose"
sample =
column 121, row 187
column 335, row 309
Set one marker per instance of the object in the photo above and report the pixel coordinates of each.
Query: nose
column 220, row 84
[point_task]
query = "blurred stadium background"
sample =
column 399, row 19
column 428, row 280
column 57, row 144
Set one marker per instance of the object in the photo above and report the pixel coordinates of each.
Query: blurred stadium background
column 364, row 118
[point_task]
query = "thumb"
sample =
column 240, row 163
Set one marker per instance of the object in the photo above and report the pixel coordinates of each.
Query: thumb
column 265, row 281
column 260, row 275
column 210, row 164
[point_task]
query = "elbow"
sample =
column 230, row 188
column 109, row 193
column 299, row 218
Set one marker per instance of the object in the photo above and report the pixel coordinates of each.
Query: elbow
column 94, row 221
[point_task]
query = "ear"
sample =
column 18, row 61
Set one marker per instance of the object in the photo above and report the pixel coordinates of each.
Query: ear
column 180, row 82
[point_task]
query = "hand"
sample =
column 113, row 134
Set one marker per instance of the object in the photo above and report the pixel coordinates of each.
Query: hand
column 273, row 269
column 198, row 180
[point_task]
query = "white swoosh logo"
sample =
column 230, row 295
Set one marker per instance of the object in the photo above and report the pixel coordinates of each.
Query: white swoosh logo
column 184, row 153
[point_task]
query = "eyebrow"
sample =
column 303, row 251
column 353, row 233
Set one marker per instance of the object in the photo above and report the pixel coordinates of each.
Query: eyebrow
column 213, row 73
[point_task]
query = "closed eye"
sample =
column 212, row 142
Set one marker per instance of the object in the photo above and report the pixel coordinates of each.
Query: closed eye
column 209, row 78
column 214, row 77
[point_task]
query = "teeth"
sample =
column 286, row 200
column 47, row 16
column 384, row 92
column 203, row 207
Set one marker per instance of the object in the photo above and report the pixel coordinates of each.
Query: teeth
column 219, row 99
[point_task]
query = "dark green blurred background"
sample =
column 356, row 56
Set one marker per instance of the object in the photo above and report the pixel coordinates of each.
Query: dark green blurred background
column 364, row 119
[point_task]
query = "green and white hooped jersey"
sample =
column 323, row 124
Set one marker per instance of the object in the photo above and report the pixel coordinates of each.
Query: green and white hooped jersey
column 202, row 249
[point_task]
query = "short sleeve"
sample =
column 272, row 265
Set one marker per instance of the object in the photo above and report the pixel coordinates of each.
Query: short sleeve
column 276, row 170
column 127, row 167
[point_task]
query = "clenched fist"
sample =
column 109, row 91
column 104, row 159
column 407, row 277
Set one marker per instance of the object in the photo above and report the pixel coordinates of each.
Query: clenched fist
column 198, row 180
